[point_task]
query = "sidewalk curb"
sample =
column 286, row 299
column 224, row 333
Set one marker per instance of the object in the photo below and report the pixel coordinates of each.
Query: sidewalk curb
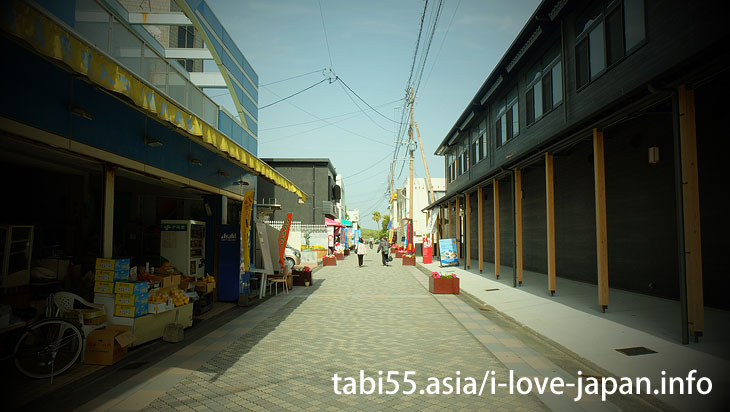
column 591, row 367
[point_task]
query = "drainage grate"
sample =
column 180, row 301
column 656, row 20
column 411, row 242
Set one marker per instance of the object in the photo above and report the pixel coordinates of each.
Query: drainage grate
column 133, row 365
column 635, row 351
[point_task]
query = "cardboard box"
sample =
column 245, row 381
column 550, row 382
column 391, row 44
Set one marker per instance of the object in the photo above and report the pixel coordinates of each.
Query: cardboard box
column 86, row 316
column 134, row 299
column 204, row 287
column 111, row 275
column 130, row 311
column 131, row 287
column 108, row 346
column 103, row 287
column 107, row 300
column 112, row 264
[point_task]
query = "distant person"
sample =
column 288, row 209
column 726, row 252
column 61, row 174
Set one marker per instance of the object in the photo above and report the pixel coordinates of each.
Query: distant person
column 384, row 248
column 361, row 252
column 371, row 243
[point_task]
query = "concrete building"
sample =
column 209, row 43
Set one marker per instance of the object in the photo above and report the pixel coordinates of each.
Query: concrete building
column 317, row 176
column 108, row 133
column 590, row 153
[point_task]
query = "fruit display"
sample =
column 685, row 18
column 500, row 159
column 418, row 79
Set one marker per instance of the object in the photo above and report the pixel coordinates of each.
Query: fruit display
column 178, row 298
column 208, row 279
column 157, row 298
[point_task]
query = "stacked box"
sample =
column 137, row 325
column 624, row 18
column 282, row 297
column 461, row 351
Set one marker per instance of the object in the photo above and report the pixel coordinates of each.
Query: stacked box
column 109, row 271
column 131, row 287
column 131, row 298
column 130, row 311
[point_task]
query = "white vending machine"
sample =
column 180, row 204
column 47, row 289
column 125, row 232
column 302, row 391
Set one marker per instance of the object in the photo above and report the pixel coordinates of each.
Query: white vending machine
column 182, row 243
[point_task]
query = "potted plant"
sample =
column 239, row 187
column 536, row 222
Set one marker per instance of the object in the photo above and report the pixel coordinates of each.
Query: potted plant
column 399, row 253
column 302, row 275
column 440, row 283
column 339, row 255
column 409, row 260
column 329, row 260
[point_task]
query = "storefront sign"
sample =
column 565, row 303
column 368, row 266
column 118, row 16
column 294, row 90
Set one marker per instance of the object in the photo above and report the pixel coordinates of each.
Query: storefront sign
column 449, row 254
column 283, row 238
column 246, row 207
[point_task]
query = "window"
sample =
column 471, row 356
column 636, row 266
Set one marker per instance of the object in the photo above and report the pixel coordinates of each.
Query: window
column 186, row 40
column 465, row 156
column 508, row 118
column 450, row 166
column 479, row 143
column 544, row 85
column 605, row 36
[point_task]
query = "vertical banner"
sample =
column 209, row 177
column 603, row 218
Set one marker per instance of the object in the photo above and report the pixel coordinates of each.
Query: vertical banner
column 246, row 208
column 283, row 237
column 330, row 236
column 427, row 249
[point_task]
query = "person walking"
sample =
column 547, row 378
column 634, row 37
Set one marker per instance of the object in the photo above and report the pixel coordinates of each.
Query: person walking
column 361, row 252
column 384, row 248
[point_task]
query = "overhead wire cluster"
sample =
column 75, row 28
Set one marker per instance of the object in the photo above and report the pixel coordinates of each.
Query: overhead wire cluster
column 427, row 29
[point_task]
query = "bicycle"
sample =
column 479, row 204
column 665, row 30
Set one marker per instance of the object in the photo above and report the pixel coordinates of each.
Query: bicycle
column 48, row 348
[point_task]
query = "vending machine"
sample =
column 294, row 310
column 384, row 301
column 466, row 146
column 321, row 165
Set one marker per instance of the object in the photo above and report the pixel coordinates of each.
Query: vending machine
column 182, row 243
column 233, row 280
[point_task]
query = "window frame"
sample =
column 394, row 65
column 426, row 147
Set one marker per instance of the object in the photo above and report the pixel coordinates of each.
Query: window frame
column 544, row 73
column 601, row 19
column 505, row 117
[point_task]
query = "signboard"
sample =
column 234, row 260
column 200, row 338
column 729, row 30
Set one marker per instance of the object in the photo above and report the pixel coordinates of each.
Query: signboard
column 283, row 237
column 449, row 254
column 330, row 236
column 246, row 207
column 264, row 243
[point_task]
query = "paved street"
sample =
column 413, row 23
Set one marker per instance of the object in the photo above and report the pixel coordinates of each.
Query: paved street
column 283, row 354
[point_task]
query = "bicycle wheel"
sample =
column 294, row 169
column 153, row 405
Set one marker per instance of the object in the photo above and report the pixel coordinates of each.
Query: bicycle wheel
column 48, row 348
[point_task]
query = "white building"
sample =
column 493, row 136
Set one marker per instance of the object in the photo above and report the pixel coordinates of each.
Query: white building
column 399, row 206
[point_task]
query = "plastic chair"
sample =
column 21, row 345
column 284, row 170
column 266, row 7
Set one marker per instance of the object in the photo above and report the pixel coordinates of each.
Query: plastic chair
column 276, row 279
column 64, row 301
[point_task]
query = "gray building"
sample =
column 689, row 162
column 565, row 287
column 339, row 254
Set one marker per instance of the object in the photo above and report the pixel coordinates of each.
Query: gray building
column 592, row 152
column 316, row 177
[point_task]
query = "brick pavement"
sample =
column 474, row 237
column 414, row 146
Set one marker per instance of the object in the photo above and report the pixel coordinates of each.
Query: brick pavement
column 282, row 355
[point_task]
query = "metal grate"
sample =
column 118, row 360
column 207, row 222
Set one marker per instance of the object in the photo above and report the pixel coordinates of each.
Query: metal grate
column 636, row 351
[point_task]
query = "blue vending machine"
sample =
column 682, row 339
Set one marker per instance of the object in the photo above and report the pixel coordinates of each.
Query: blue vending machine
column 232, row 278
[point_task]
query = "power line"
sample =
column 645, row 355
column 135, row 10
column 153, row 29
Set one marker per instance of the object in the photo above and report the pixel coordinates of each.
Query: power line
column 443, row 40
column 294, row 77
column 361, row 99
column 290, row 96
column 363, row 111
column 327, row 42
column 332, row 124
column 367, row 168
column 327, row 118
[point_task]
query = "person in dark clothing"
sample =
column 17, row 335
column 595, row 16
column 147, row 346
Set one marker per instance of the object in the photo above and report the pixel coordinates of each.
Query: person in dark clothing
column 384, row 248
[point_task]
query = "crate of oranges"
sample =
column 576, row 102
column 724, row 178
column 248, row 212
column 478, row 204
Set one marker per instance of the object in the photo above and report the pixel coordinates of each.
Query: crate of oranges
column 206, row 284
column 159, row 302
column 178, row 297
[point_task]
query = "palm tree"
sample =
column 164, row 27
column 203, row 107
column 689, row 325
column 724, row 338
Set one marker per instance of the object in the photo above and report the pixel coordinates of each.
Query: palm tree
column 376, row 217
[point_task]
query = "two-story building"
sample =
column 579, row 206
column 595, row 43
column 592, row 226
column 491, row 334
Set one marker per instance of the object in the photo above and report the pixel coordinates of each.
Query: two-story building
column 593, row 152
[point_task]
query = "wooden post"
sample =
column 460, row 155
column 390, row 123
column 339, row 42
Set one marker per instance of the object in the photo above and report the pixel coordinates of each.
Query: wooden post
column 458, row 229
column 599, row 171
column 108, row 219
column 518, row 224
column 468, row 232
column 691, row 206
column 480, row 234
column 443, row 224
column 550, row 206
column 497, row 264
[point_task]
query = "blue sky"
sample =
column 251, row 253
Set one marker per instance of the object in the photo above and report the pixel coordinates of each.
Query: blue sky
column 371, row 46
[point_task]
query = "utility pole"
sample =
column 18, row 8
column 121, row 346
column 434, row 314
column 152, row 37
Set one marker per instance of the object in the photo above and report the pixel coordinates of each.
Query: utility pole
column 428, row 175
column 410, row 149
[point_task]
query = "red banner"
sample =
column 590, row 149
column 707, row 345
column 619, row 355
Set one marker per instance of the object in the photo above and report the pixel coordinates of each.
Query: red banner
column 427, row 249
column 283, row 238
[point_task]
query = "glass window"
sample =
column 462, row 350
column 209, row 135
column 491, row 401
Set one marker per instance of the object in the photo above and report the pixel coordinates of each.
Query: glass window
column 176, row 87
column 154, row 69
column 557, row 81
column 126, row 47
column 530, row 105
column 614, row 36
column 596, row 50
column 515, row 119
column 634, row 22
column 539, row 96
column 581, row 58
column 483, row 139
column 499, row 132
column 92, row 22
